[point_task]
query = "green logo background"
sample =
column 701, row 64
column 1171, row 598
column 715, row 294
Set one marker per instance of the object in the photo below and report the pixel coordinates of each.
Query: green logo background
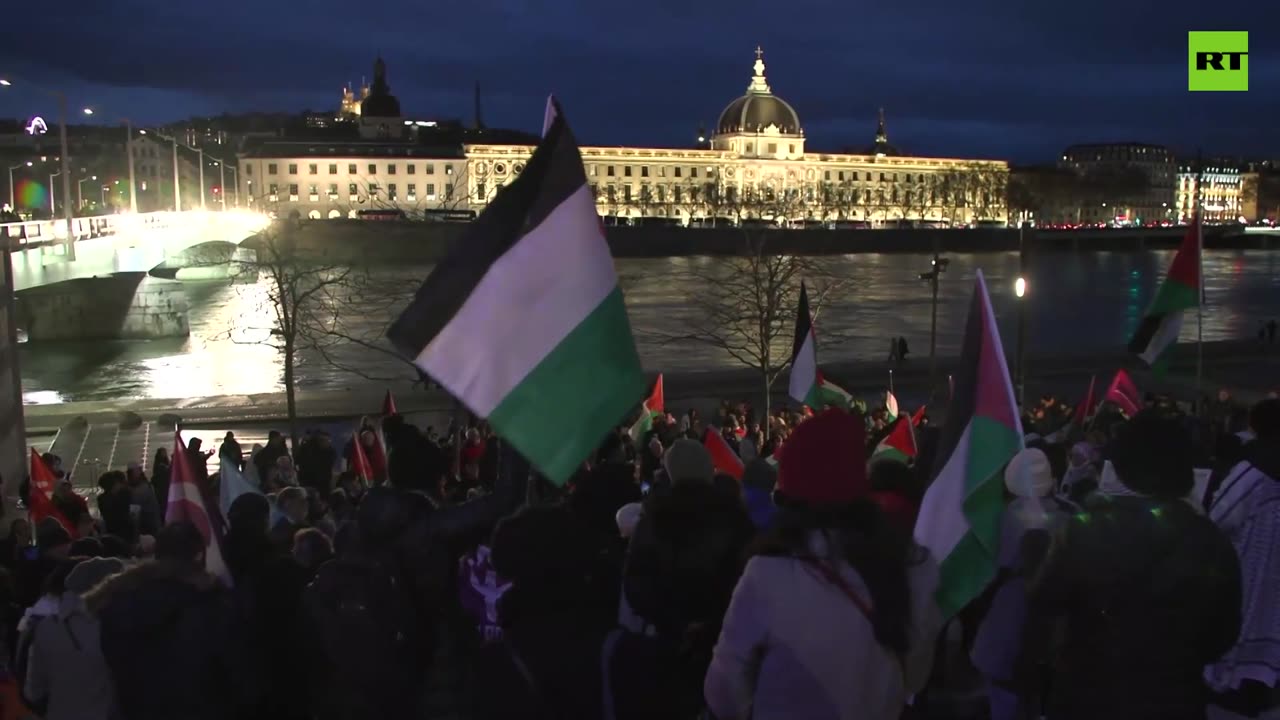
column 1217, row 80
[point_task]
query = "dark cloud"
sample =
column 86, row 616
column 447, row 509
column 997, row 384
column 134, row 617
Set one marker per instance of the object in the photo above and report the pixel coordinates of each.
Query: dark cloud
column 996, row 78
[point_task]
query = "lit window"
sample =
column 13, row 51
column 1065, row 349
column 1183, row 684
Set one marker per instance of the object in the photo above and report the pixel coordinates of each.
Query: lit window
column 391, row 191
column 293, row 192
column 413, row 191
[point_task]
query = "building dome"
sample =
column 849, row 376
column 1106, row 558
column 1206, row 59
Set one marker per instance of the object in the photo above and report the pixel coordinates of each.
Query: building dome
column 759, row 108
column 380, row 103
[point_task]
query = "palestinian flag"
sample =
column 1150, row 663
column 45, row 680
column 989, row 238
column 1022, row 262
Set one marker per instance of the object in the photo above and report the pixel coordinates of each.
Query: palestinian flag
column 808, row 386
column 652, row 407
column 1124, row 394
column 524, row 322
column 1158, row 331
column 959, row 519
column 899, row 444
column 723, row 457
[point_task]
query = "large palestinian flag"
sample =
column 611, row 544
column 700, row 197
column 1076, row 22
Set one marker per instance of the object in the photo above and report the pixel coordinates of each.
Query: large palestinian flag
column 808, row 386
column 1158, row 331
column 959, row 519
column 524, row 321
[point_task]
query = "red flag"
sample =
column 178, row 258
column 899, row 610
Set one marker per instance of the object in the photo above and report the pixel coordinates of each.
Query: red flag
column 1085, row 408
column 918, row 416
column 389, row 404
column 186, row 502
column 656, row 403
column 40, row 500
column 1124, row 394
column 722, row 456
column 359, row 459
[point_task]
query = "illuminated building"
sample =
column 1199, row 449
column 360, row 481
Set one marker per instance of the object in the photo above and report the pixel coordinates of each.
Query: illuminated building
column 1124, row 183
column 1220, row 194
column 755, row 167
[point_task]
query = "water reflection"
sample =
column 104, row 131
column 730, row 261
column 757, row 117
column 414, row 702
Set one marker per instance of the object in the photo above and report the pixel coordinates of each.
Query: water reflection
column 1077, row 302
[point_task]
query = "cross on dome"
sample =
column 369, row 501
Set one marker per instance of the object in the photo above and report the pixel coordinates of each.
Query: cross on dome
column 758, row 83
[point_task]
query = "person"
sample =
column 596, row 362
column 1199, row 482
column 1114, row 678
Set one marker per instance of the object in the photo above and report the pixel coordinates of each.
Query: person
column 72, row 505
column 66, row 672
column 316, row 459
column 1146, row 591
column 113, row 505
column 231, row 451
column 14, row 546
column 1247, row 508
column 1012, row 685
column 903, row 349
column 293, row 506
column 835, row 586
column 161, row 469
column 175, row 645
column 267, row 457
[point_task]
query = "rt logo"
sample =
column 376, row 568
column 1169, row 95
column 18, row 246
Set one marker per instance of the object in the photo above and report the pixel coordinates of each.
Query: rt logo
column 1217, row 61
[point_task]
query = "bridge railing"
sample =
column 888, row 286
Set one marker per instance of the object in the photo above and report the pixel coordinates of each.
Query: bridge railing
column 22, row 235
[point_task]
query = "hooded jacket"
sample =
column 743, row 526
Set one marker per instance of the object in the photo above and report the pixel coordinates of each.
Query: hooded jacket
column 66, row 668
column 174, row 645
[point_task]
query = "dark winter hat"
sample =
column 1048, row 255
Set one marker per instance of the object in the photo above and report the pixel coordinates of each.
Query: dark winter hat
column 542, row 544
column 688, row 461
column 824, row 461
column 50, row 534
column 1153, row 455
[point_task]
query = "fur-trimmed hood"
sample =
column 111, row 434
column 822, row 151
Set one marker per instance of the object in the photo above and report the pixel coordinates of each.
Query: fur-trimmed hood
column 156, row 591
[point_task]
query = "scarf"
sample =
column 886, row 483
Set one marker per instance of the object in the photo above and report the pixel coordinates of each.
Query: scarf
column 1247, row 509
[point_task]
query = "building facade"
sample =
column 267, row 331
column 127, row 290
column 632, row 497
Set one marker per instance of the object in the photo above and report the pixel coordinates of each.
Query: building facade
column 1124, row 183
column 756, row 169
column 1221, row 191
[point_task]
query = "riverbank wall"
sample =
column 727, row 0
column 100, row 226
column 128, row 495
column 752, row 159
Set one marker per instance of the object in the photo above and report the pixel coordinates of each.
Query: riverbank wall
column 412, row 242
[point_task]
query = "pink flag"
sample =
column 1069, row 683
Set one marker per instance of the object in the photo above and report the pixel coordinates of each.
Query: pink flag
column 186, row 503
column 1124, row 394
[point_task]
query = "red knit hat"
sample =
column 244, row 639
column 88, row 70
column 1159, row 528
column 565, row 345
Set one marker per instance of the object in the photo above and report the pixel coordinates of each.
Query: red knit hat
column 824, row 461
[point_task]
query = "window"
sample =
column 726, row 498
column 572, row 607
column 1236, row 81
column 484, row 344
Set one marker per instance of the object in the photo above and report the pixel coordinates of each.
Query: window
column 312, row 169
column 839, row 175
column 662, row 171
column 611, row 192
column 272, row 169
column 644, row 171
column 773, row 148
column 333, row 191
column 675, row 193
column 431, row 191
column 351, row 168
column 391, row 190
column 595, row 191
column 293, row 168
column 274, row 191
column 313, row 190
column 391, row 169
column 609, row 171
column 676, row 171
column 593, row 170
column 248, row 170
column 480, row 194
column 693, row 172
column 448, row 169
column 662, row 193
column 626, row 171
column 373, row 190
column 626, row 193
column 791, row 148
column 412, row 169
column 353, row 190
column 413, row 191
column 881, row 177
column 333, row 168
column 293, row 192
column 448, row 191
column 431, row 169
column 373, row 169
column 750, row 147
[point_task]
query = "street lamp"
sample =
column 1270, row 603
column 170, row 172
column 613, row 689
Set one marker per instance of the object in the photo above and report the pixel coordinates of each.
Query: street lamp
column 104, row 196
column 80, row 190
column 1020, row 290
column 937, row 266
column 12, row 201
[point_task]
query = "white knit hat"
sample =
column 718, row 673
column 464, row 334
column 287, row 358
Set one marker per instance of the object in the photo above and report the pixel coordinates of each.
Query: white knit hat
column 628, row 517
column 1029, row 474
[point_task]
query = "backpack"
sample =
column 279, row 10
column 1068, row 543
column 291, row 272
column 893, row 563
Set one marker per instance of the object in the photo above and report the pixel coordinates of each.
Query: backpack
column 372, row 639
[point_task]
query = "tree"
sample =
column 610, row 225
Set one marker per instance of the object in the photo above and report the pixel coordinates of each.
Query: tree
column 746, row 303
column 295, row 297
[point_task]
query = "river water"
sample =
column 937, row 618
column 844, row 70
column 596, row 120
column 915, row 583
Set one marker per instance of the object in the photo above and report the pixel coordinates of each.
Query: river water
column 1077, row 302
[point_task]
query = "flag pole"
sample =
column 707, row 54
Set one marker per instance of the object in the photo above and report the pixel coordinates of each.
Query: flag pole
column 1200, row 293
column 890, row 379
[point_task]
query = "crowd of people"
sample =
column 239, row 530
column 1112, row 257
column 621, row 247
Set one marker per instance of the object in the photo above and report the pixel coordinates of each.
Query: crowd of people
column 424, row 575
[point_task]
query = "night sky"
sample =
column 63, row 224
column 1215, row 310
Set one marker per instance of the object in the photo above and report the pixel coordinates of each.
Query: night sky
column 1017, row 79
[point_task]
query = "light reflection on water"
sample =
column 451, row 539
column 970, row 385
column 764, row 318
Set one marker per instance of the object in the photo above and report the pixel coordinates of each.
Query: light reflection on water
column 1077, row 302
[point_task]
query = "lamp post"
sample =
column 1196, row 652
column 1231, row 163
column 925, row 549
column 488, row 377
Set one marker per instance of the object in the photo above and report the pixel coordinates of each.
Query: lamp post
column 12, row 200
column 128, row 149
column 222, row 184
column 1020, row 291
column 80, row 190
column 104, row 196
column 66, row 160
column 235, row 182
column 177, row 183
column 53, row 210
column 937, row 266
